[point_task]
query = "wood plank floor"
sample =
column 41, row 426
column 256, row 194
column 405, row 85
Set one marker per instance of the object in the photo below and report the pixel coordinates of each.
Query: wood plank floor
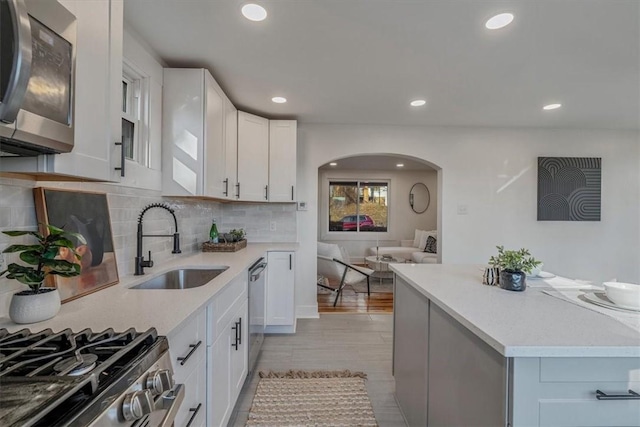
column 358, row 342
column 353, row 302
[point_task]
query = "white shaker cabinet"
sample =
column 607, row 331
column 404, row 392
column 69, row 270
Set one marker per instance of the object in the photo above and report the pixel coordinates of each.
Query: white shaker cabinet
column 97, row 98
column 280, row 310
column 227, row 350
column 253, row 158
column 193, row 137
column 231, row 150
column 282, row 160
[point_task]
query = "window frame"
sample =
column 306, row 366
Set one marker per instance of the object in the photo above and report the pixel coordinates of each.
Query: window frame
column 136, row 110
column 358, row 234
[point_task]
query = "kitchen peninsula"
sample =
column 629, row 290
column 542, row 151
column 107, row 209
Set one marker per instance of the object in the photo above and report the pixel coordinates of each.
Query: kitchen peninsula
column 468, row 354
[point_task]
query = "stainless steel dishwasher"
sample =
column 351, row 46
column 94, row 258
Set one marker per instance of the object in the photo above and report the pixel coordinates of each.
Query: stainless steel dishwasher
column 257, row 317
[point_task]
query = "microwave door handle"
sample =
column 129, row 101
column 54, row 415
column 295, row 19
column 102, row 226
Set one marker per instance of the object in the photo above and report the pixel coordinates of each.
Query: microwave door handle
column 21, row 68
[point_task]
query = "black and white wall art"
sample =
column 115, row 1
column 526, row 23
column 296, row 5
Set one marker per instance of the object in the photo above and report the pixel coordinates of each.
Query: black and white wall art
column 569, row 188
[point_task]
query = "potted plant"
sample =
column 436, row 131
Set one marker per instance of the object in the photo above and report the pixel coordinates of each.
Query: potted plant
column 513, row 265
column 54, row 254
column 237, row 234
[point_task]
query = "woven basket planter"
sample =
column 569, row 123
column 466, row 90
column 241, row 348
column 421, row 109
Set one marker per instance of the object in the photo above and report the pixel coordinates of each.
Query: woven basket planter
column 224, row 247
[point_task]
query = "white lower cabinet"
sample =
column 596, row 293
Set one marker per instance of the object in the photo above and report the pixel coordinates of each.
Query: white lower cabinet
column 227, row 350
column 280, row 289
column 193, row 411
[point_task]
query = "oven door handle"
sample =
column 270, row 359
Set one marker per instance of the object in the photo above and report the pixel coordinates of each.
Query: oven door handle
column 171, row 403
column 21, row 67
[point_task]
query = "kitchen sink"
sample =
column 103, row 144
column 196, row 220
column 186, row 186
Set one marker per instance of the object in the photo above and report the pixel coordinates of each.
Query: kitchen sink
column 183, row 278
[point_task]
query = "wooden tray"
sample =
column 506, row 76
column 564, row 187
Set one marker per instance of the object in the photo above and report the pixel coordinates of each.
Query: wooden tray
column 224, row 247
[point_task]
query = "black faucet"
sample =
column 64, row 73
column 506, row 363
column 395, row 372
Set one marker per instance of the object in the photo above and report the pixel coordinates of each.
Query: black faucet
column 140, row 261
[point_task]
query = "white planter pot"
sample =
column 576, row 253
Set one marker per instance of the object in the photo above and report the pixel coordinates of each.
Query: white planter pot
column 32, row 308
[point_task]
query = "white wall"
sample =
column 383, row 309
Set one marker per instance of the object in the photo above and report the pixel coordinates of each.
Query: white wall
column 402, row 221
column 493, row 172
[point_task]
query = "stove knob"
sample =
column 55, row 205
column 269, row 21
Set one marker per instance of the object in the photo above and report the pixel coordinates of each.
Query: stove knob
column 159, row 381
column 137, row 404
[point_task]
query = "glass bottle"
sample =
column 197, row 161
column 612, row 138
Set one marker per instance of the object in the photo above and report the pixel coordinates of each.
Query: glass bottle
column 213, row 233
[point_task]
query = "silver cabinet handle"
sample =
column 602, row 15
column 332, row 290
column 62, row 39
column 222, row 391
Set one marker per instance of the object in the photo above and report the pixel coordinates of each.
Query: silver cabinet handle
column 21, row 68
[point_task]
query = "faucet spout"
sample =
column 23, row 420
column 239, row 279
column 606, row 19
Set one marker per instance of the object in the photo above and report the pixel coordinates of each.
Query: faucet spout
column 140, row 262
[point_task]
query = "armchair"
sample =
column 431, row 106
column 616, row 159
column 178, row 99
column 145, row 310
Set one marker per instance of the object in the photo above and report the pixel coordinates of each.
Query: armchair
column 333, row 263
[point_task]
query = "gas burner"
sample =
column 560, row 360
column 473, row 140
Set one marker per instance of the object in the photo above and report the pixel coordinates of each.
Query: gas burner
column 77, row 365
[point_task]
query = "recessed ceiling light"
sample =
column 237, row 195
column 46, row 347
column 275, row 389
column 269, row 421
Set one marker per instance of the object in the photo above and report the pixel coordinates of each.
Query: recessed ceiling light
column 254, row 12
column 499, row 21
column 552, row 107
column 400, row 165
column 333, row 164
column 279, row 99
column 418, row 102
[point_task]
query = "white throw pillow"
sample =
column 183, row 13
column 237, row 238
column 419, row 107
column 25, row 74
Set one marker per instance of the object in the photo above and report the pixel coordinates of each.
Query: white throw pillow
column 416, row 238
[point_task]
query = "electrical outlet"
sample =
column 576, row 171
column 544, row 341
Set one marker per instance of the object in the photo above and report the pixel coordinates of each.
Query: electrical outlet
column 272, row 226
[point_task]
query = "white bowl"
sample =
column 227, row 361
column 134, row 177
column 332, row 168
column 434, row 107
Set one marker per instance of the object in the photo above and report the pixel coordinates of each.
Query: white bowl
column 623, row 294
column 535, row 271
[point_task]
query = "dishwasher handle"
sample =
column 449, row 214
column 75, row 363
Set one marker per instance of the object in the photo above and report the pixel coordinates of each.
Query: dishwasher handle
column 256, row 271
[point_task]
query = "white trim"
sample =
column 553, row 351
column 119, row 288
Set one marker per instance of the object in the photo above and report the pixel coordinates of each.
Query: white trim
column 307, row 312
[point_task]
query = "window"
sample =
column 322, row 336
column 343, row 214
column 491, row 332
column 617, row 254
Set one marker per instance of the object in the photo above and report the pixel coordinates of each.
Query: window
column 358, row 206
column 135, row 104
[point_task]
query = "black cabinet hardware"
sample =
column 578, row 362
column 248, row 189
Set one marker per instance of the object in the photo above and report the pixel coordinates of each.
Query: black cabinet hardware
column 237, row 190
column 292, row 193
column 631, row 395
column 266, row 192
column 290, row 261
column 122, row 159
column 195, row 413
column 193, row 347
column 226, row 187
column 236, row 340
column 240, row 330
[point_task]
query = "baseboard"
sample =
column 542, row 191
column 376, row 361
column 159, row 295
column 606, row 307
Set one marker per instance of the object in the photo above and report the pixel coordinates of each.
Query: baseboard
column 307, row 312
column 280, row 329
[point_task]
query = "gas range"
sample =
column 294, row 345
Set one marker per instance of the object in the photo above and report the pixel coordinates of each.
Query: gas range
column 86, row 378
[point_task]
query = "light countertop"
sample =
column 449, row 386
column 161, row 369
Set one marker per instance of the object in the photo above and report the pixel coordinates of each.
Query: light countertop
column 520, row 324
column 120, row 308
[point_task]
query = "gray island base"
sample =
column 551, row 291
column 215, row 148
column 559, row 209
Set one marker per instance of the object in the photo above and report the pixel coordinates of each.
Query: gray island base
column 466, row 354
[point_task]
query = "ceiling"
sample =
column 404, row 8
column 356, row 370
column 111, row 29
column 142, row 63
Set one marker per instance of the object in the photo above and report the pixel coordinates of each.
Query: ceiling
column 362, row 61
column 378, row 163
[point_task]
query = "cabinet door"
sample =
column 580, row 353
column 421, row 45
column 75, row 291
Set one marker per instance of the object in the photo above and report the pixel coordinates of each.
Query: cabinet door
column 239, row 354
column 280, row 288
column 282, row 160
column 219, row 380
column 253, row 157
column 231, row 149
column 183, row 132
column 214, row 144
column 96, row 100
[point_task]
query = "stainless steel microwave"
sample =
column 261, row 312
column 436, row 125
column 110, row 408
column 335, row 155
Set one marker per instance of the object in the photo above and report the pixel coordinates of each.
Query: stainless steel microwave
column 37, row 77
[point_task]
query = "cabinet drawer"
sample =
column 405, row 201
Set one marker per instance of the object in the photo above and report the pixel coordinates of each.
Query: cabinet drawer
column 193, row 407
column 223, row 307
column 589, row 413
column 589, row 369
column 187, row 345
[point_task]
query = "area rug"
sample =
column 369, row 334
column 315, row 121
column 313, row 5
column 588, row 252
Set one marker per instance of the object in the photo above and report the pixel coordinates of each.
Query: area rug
column 311, row 398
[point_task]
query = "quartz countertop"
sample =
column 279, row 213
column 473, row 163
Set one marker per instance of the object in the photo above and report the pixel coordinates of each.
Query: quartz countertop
column 520, row 324
column 120, row 307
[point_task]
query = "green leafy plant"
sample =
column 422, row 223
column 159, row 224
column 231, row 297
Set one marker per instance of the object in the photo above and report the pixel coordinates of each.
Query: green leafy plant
column 44, row 258
column 514, row 261
column 238, row 234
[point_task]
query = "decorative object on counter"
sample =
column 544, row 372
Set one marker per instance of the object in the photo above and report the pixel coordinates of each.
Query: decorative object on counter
column 569, row 188
column 306, row 398
column 213, row 233
column 86, row 213
column 227, row 242
column 55, row 254
column 513, row 265
column 491, row 276
column 626, row 295
column 140, row 262
column 419, row 198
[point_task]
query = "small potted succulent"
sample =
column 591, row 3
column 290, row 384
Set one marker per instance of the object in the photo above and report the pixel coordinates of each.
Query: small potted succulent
column 514, row 267
column 49, row 256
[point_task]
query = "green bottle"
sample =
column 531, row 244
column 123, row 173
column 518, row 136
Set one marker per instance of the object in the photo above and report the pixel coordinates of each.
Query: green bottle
column 213, row 233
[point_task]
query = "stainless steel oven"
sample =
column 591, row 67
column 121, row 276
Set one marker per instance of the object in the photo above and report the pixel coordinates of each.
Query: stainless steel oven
column 37, row 75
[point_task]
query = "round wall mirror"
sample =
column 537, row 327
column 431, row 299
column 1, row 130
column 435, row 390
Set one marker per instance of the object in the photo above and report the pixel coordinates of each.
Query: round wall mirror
column 419, row 198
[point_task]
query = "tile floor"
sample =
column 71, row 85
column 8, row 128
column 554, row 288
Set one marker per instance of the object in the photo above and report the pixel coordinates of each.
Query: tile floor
column 359, row 342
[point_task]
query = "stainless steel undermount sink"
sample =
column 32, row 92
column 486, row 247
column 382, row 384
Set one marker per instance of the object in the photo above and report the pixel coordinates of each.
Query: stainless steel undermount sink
column 183, row 278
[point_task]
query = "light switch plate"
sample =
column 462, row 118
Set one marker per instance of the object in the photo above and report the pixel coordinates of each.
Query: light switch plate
column 302, row 206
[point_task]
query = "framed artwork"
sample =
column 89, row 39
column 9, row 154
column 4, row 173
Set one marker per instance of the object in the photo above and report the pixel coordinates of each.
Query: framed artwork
column 569, row 188
column 88, row 214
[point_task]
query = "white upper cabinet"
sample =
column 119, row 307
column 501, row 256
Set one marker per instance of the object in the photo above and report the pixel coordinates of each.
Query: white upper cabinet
column 282, row 160
column 97, row 97
column 253, row 157
column 231, row 149
column 193, row 136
